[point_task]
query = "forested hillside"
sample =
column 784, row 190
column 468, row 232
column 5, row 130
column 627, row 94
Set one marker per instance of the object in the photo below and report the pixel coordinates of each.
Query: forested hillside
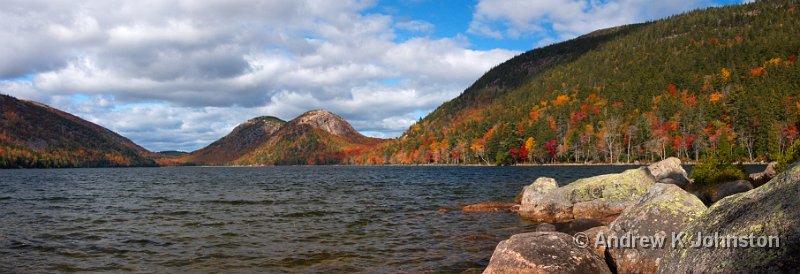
column 242, row 140
column 641, row 92
column 644, row 92
column 36, row 135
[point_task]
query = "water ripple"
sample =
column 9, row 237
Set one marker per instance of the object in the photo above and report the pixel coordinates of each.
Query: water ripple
column 273, row 219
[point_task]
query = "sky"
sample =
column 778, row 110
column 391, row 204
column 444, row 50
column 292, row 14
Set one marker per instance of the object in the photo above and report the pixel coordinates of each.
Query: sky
column 179, row 74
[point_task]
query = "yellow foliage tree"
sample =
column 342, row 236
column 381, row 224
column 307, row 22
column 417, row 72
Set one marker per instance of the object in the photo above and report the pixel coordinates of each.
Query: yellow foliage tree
column 561, row 100
column 773, row 61
column 715, row 97
column 530, row 145
column 726, row 74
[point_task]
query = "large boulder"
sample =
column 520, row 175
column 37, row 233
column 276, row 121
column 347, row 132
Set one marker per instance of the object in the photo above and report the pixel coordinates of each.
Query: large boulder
column 665, row 209
column 730, row 188
column 544, row 252
column 763, row 177
column 591, row 237
column 772, row 210
column 601, row 210
column 600, row 198
column 537, row 189
column 670, row 171
column 518, row 197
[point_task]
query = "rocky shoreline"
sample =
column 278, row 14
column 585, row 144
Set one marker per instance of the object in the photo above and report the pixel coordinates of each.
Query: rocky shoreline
column 655, row 220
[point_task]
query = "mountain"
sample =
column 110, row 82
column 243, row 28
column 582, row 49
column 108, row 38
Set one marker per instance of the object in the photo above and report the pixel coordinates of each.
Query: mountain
column 173, row 153
column 673, row 87
column 39, row 136
column 315, row 137
column 242, row 140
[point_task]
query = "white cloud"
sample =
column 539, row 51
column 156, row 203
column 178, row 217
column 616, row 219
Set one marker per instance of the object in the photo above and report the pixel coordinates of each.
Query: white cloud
column 417, row 26
column 555, row 20
column 179, row 74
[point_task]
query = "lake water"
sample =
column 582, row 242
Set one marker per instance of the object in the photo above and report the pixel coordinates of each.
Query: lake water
column 267, row 220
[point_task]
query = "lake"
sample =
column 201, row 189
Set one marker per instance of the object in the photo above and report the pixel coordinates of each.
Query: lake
column 268, row 219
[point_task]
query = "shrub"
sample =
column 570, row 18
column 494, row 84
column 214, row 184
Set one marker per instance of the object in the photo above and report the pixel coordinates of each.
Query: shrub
column 790, row 156
column 715, row 170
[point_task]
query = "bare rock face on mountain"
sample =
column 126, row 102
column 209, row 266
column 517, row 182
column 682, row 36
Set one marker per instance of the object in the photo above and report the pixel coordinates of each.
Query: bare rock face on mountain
column 242, row 140
column 328, row 122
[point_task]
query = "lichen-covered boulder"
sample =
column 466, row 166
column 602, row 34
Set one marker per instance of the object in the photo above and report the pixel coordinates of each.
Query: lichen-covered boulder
column 730, row 188
column 770, row 213
column 600, row 198
column 534, row 194
column 605, row 211
column 553, row 208
column 489, row 207
column 665, row 209
column 544, row 252
column 539, row 187
column 670, row 171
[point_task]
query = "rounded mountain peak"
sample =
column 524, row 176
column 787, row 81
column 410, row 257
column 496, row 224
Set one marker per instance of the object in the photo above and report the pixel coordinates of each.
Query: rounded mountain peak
column 266, row 119
column 327, row 121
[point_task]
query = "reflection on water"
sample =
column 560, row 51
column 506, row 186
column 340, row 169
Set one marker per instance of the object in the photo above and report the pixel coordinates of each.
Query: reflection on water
column 271, row 219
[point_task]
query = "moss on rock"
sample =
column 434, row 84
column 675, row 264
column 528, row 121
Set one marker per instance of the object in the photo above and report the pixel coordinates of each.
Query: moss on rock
column 770, row 210
column 600, row 198
column 665, row 209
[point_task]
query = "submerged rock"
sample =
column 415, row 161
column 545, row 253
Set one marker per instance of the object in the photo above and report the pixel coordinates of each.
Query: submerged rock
column 600, row 198
column 670, row 171
column 545, row 227
column 770, row 213
column 665, row 209
column 544, row 252
column 489, row 207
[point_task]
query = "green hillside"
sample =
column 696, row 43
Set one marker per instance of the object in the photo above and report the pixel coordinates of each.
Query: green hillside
column 633, row 93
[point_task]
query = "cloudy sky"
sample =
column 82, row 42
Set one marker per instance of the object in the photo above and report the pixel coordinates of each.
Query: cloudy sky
column 179, row 74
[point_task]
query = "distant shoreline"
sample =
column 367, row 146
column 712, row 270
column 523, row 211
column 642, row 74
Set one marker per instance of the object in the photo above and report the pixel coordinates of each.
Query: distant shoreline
column 477, row 165
column 397, row 165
